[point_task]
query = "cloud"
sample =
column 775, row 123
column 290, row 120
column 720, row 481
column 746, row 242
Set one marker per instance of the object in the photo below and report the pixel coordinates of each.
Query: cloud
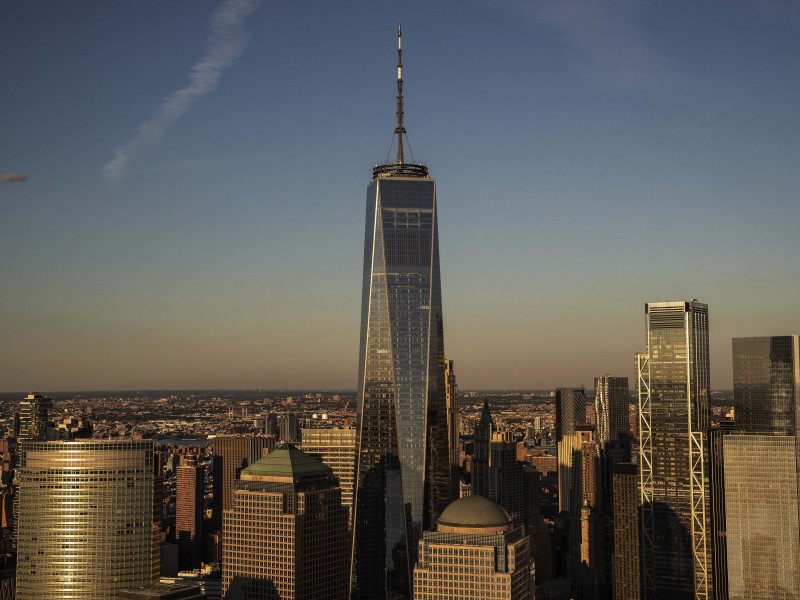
column 610, row 48
column 225, row 43
column 13, row 178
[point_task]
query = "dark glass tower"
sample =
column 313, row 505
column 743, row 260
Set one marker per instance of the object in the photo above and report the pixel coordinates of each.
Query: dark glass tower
column 403, row 470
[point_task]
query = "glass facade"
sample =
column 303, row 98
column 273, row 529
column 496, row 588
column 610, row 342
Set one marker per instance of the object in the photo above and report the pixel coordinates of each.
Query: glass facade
column 761, row 501
column 673, row 453
column 403, row 472
column 766, row 384
column 86, row 527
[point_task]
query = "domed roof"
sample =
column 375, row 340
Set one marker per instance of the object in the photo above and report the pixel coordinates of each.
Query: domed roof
column 474, row 511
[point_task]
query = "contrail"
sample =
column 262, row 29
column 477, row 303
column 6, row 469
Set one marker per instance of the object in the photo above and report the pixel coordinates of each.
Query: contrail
column 13, row 178
column 226, row 42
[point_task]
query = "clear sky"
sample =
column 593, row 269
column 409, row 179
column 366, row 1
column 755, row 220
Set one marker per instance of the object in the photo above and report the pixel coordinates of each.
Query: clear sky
column 196, row 174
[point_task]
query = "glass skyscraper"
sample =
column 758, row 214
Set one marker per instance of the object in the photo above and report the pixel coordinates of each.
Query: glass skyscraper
column 403, row 463
column 673, row 389
column 762, row 470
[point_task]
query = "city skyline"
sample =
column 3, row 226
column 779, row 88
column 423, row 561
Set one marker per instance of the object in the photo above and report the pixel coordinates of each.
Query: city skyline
column 651, row 136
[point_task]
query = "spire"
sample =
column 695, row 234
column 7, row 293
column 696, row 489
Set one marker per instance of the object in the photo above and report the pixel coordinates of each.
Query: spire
column 400, row 130
column 400, row 168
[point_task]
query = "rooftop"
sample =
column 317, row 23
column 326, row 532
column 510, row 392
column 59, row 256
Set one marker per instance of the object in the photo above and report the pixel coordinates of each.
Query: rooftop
column 474, row 511
column 287, row 461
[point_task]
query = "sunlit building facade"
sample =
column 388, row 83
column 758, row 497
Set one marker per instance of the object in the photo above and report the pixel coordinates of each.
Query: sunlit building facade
column 673, row 393
column 86, row 526
column 285, row 536
column 336, row 447
column 475, row 553
column 570, row 416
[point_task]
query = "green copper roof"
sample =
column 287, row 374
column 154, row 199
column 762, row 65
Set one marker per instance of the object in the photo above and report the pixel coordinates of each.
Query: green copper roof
column 474, row 511
column 287, row 461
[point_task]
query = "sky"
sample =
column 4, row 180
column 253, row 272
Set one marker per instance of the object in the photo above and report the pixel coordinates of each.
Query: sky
column 182, row 183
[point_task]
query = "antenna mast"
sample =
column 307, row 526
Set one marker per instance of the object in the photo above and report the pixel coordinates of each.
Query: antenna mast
column 400, row 130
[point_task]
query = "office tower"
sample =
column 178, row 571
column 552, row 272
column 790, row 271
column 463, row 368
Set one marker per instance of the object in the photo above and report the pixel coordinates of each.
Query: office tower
column 231, row 454
column 541, row 550
column 189, row 510
column 570, row 413
column 718, row 526
column 85, row 520
column 33, row 417
column 762, row 470
column 766, row 384
column 289, row 428
column 587, row 565
column 761, row 508
column 611, row 408
column 496, row 474
column 673, row 391
column 336, row 448
column 626, row 563
column 286, row 533
column 474, row 553
column 453, row 425
column 271, row 424
column 403, row 471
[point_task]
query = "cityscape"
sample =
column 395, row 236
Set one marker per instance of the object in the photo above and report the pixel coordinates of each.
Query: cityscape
column 606, row 478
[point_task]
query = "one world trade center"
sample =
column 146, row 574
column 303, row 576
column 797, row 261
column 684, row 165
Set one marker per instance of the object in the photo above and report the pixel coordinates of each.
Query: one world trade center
column 402, row 471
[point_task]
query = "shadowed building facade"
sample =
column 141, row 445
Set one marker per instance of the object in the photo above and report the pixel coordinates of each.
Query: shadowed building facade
column 475, row 553
column 86, row 527
column 673, row 392
column 403, row 479
column 285, row 537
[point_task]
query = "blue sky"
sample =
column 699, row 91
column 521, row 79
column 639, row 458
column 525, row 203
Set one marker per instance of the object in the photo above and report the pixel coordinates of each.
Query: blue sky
column 590, row 157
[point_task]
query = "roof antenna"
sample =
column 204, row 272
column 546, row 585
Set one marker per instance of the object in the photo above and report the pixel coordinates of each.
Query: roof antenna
column 399, row 130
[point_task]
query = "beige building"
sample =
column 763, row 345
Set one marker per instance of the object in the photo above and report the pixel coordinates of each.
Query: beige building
column 85, row 519
column 286, row 535
column 474, row 554
column 336, row 447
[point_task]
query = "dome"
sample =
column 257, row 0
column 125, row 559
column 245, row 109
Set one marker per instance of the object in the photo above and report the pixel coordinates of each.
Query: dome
column 474, row 511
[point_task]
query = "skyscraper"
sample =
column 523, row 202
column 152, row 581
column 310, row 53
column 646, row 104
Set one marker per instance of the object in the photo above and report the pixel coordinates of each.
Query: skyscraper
column 570, row 414
column 611, row 408
column 475, row 553
column 231, row 454
column 33, row 417
column 766, row 384
column 761, row 509
column 403, row 470
column 626, row 563
column 762, row 470
column 336, row 447
column 189, row 510
column 453, row 425
column 85, row 520
column 286, row 533
column 673, row 391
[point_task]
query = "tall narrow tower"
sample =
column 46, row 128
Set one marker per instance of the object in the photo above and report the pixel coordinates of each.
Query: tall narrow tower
column 403, row 467
column 673, row 388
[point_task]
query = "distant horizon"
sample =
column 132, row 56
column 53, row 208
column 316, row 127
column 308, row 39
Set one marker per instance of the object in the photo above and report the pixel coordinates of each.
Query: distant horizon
column 182, row 184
